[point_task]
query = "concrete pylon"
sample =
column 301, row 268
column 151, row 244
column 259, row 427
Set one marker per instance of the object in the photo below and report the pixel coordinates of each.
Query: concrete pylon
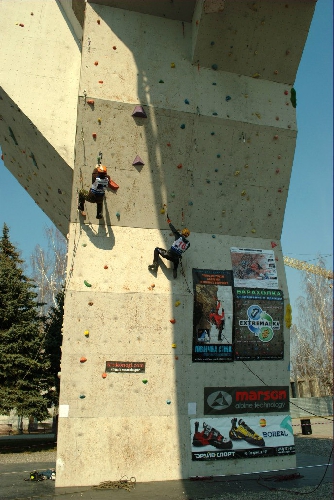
column 214, row 79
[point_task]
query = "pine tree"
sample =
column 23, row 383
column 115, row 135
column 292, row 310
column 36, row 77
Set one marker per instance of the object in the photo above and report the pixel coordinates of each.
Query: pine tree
column 23, row 364
column 53, row 341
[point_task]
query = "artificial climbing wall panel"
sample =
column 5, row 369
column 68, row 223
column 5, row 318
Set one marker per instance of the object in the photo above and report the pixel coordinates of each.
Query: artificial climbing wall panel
column 39, row 68
column 215, row 151
column 34, row 162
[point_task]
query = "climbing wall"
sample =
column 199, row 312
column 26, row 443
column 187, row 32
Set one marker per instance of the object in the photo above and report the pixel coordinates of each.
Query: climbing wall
column 214, row 149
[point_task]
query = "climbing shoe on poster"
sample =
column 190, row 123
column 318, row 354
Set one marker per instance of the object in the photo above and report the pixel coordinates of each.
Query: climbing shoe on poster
column 242, row 431
column 210, row 436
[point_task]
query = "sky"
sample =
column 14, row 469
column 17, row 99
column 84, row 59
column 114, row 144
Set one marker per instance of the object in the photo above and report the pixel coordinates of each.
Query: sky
column 308, row 223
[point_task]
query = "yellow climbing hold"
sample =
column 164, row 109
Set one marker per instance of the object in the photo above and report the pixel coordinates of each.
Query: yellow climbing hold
column 162, row 210
column 172, row 65
column 177, row 303
column 256, row 75
column 253, row 230
column 237, row 172
column 243, row 193
column 174, row 346
column 258, row 115
column 86, row 332
column 288, row 316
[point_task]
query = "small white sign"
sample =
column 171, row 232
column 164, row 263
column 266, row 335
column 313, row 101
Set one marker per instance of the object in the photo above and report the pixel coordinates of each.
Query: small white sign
column 191, row 408
column 63, row 410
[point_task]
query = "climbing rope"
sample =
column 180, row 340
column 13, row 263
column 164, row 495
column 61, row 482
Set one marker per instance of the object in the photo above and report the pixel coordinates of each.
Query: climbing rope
column 185, row 279
column 122, row 484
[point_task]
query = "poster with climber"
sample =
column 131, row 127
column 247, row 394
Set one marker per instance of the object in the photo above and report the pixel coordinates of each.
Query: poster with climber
column 258, row 324
column 235, row 437
column 254, row 268
column 213, row 316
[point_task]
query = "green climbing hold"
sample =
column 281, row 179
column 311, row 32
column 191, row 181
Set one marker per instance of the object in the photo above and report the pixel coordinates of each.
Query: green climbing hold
column 168, row 401
column 218, row 156
column 118, row 214
column 144, row 381
column 82, row 396
column 87, row 284
column 215, row 114
column 190, row 203
column 213, row 236
column 161, row 81
column 293, row 97
column 84, row 244
column 183, row 126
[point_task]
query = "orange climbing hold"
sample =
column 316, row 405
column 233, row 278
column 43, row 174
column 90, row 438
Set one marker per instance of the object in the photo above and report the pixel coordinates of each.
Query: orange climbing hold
column 173, row 321
column 83, row 359
column 104, row 375
column 94, row 135
column 105, row 267
column 179, row 165
column 90, row 101
column 100, row 81
column 96, row 63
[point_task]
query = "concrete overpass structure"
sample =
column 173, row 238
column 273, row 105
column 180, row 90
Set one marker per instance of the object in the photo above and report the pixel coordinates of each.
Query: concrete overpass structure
column 214, row 78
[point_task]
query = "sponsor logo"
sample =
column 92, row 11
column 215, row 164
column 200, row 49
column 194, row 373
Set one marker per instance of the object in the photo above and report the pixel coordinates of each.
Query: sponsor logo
column 260, row 395
column 219, row 400
column 269, row 434
column 260, row 323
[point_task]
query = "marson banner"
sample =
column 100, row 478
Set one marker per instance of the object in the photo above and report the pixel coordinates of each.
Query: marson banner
column 234, row 400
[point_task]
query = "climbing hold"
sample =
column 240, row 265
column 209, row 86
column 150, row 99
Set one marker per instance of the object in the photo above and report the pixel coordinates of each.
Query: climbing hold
column 258, row 115
column 237, row 172
column 83, row 360
column 94, row 135
column 216, row 169
column 87, row 284
column 275, row 137
column 243, row 193
column 275, row 72
column 168, row 144
column 139, row 112
column 144, row 381
column 138, row 161
column 177, row 303
column 22, row 25
column 212, row 133
column 96, row 63
column 277, row 170
column 273, row 244
column 256, row 75
column 60, row 191
column 99, row 120
column 172, row 321
column 162, row 210
column 212, row 43
column 213, row 236
column 214, row 83
column 208, row 181
column 86, row 333
column 105, row 267
column 176, row 357
column 293, row 97
column 190, row 203
column 214, row 67
column 168, row 401
column 173, row 195
column 152, row 285
column 286, row 92
column 174, row 346
column 215, row 114
column 220, row 183
column 256, row 52
column 253, row 230
column 186, row 101
column 82, row 396
column 288, row 316
column 90, row 101
column 90, row 303
column 104, row 375
column 84, row 244
column 118, row 215
column 172, row 65
column 228, row 98
column 161, row 81
column 277, row 118
column 279, row 190
column 179, row 165
column 218, row 156
column 287, row 52
column 246, row 166
column 183, row 126
column 114, row 47
column 100, row 81
column 279, row 157
column 98, row 21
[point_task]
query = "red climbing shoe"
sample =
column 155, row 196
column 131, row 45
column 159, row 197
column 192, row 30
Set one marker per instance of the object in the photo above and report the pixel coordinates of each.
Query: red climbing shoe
column 210, row 436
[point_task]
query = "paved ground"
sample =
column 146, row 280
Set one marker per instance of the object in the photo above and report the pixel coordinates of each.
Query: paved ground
column 313, row 452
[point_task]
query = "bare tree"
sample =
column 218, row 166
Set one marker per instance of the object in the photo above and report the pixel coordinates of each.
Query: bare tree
column 311, row 335
column 49, row 267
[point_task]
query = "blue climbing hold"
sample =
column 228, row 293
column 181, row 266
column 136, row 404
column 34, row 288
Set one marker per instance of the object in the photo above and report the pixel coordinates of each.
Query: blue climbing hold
column 228, row 98
column 183, row 126
column 118, row 214
column 220, row 183
column 190, row 203
column 213, row 236
column 214, row 67
column 215, row 114
column 186, row 101
column 216, row 169
column 212, row 133
column 208, row 181
column 214, row 83
column 218, row 156
column 212, row 43
column 168, row 401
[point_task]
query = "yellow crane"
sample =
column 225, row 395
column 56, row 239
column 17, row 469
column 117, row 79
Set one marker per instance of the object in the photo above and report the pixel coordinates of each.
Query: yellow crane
column 309, row 268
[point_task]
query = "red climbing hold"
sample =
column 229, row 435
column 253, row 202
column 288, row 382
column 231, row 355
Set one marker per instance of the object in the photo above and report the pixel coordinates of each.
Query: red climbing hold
column 96, row 63
column 100, row 81
column 98, row 21
column 273, row 244
column 173, row 321
column 90, row 101
column 114, row 47
column 179, row 165
column 94, row 135
column 286, row 92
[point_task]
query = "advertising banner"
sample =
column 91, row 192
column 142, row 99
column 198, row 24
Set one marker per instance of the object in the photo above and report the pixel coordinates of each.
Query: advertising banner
column 230, row 438
column 254, row 268
column 258, row 324
column 213, row 315
column 234, row 400
column 125, row 366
